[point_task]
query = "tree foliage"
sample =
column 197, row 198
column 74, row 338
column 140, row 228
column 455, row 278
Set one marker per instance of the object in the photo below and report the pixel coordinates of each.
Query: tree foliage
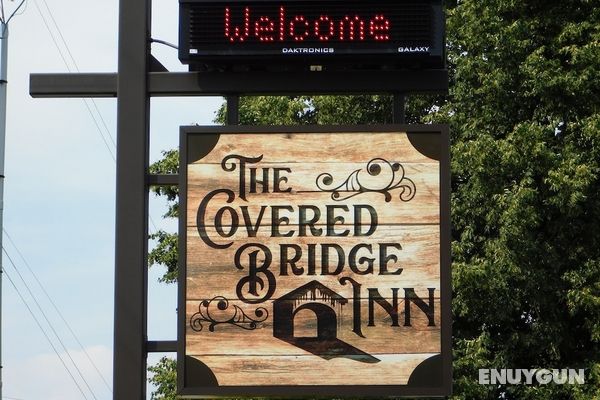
column 524, row 111
column 164, row 377
column 164, row 251
column 525, row 116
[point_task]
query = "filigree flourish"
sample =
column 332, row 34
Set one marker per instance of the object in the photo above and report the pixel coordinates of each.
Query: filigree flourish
column 355, row 184
column 217, row 311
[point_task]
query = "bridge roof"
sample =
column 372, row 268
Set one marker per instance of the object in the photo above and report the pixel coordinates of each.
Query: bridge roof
column 312, row 287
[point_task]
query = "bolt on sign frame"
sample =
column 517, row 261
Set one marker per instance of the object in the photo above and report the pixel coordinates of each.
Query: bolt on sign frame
column 134, row 84
column 314, row 260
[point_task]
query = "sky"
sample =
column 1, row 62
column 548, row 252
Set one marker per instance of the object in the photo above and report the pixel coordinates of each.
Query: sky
column 59, row 202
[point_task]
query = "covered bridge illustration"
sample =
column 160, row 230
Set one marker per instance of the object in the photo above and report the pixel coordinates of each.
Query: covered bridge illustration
column 323, row 302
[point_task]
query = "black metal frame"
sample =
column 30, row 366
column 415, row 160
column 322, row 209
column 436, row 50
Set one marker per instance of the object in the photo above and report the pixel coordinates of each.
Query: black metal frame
column 134, row 85
column 165, row 84
column 131, row 248
column 333, row 390
column 268, row 55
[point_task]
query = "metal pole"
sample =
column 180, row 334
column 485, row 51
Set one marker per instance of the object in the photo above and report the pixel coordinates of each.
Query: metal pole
column 131, row 272
column 3, row 84
column 233, row 109
column 399, row 108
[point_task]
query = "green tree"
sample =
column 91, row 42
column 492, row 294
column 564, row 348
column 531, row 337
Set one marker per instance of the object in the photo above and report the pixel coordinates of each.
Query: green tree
column 525, row 115
column 164, row 377
column 524, row 111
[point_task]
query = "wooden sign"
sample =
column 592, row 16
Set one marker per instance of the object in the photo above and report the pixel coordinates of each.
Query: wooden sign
column 314, row 261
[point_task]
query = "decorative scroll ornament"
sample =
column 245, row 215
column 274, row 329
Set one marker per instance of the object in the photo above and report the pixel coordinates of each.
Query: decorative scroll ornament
column 383, row 177
column 217, row 311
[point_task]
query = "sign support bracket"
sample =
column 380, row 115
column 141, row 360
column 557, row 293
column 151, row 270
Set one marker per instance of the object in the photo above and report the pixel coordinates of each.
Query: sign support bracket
column 174, row 84
column 233, row 109
column 399, row 108
column 131, row 237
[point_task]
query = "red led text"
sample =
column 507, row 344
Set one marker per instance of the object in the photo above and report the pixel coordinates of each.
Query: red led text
column 298, row 28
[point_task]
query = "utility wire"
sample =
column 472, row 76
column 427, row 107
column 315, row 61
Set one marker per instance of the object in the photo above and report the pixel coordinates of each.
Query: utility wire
column 64, row 58
column 49, row 323
column 76, row 67
column 13, row 13
column 22, row 11
column 44, row 332
column 62, row 38
column 57, row 309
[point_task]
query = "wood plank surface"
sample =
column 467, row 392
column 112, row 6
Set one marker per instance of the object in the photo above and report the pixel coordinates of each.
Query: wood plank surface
column 422, row 208
column 224, row 284
column 305, row 147
column 302, row 177
column 382, row 338
column 312, row 329
column 393, row 369
column 212, row 271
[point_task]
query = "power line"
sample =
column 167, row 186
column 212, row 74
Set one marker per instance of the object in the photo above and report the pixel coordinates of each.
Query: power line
column 64, row 59
column 99, row 129
column 22, row 11
column 44, row 332
column 76, row 67
column 15, row 12
column 57, row 309
column 49, row 323
column 62, row 38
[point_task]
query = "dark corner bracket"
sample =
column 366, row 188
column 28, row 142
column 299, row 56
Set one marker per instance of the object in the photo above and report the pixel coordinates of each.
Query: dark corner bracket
column 198, row 374
column 428, row 373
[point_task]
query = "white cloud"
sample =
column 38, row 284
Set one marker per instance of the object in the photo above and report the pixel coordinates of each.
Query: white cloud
column 44, row 377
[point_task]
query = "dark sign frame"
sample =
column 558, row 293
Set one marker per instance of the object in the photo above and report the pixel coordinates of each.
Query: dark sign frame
column 431, row 378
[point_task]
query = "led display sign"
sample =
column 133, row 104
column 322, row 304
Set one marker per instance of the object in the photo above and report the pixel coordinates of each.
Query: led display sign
column 396, row 33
